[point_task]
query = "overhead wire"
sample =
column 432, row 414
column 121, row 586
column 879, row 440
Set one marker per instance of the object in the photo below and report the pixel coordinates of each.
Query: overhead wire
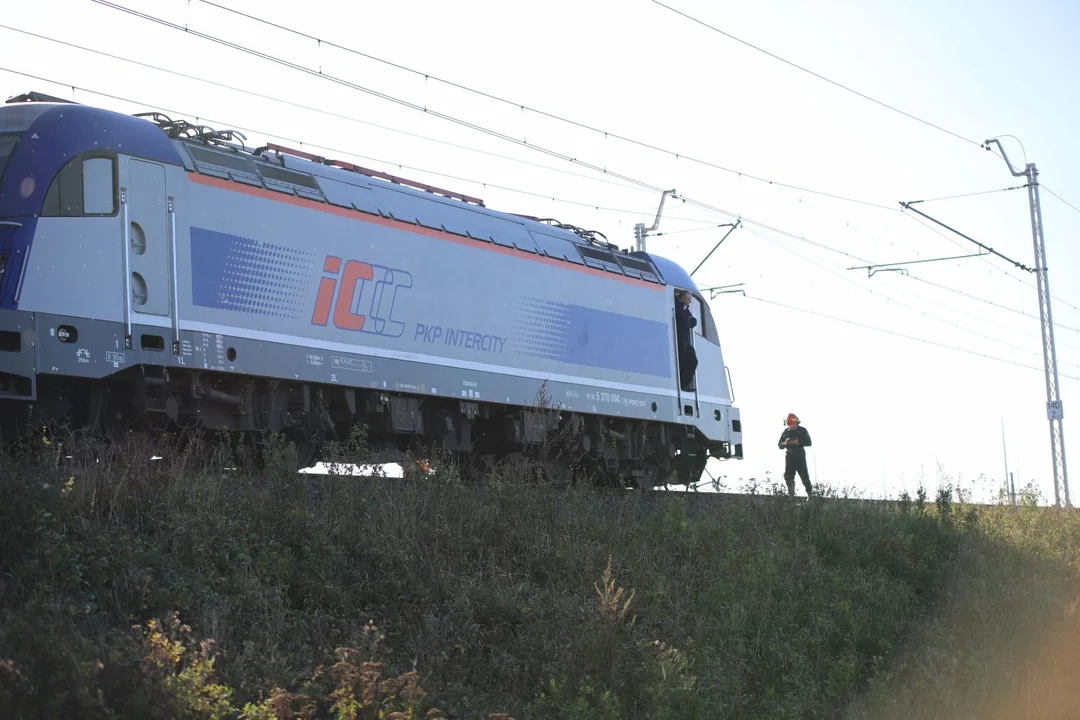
column 523, row 107
column 464, row 123
column 1025, row 315
column 328, row 113
column 924, row 299
column 967, row 195
column 376, row 93
column 903, row 335
column 1044, row 187
column 685, row 230
column 961, row 293
column 1035, row 287
column 817, row 75
column 893, row 300
column 998, row 326
column 845, row 253
column 997, row 150
column 705, row 206
column 983, row 248
column 902, row 304
column 998, row 268
column 481, row 183
column 1004, row 270
column 1028, row 334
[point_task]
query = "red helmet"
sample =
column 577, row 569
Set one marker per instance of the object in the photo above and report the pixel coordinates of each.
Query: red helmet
column 792, row 419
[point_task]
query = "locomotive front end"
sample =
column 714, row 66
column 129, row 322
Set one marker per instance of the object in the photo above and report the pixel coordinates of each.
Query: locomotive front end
column 17, row 336
column 16, row 328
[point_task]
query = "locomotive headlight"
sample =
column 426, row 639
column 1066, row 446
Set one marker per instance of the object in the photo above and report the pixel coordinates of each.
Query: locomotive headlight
column 67, row 334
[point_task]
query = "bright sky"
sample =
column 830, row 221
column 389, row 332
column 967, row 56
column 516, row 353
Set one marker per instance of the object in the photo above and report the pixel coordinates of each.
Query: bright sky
column 881, row 408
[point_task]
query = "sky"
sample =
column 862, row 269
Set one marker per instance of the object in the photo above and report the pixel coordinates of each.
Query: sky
column 900, row 379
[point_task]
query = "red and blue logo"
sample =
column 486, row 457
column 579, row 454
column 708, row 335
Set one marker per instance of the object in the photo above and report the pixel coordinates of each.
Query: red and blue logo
column 360, row 297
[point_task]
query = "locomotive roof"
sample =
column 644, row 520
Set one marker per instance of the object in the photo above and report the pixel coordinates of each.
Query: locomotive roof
column 76, row 128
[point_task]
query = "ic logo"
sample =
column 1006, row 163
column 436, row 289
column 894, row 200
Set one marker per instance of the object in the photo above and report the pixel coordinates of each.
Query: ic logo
column 360, row 297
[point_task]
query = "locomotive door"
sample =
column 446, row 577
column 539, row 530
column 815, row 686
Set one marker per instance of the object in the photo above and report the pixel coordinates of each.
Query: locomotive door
column 146, row 210
column 688, row 400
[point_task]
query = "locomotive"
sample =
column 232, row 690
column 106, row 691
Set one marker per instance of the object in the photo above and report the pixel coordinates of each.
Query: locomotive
column 158, row 275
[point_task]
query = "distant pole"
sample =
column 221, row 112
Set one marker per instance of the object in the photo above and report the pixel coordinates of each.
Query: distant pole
column 1054, row 410
column 1005, row 453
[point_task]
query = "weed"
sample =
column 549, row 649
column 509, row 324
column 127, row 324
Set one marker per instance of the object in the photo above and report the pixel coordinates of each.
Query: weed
column 260, row 593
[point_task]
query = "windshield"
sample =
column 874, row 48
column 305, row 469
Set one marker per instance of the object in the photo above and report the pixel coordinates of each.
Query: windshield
column 7, row 144
column 14, row 119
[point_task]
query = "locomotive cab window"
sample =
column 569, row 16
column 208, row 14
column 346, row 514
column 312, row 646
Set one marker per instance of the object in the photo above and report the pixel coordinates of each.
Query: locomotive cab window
column 706, row 324
column 8, row 141
column 695, row 308
column 705, row 327
column 86, row 186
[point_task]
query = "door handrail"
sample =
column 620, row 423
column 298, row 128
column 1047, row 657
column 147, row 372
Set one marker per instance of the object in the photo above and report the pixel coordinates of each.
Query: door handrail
column 125, row 231
column 173, row 280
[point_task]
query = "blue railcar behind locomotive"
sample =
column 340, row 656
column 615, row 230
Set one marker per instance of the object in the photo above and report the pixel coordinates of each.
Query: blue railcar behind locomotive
column 159, row 275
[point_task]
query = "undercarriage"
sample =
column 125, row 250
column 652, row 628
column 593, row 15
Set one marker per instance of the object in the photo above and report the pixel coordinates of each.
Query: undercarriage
column 319, row 419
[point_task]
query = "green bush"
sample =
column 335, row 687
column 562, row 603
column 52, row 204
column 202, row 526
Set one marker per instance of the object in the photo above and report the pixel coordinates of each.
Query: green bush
column 177, row 588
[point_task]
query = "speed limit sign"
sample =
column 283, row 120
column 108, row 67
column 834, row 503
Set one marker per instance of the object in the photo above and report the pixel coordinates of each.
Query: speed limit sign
column 1054, row 411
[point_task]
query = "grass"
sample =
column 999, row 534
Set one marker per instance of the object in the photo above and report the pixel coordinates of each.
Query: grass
column 177, row 589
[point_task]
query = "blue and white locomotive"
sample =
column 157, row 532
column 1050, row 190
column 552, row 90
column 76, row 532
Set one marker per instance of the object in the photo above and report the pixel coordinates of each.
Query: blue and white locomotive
column 160, row 275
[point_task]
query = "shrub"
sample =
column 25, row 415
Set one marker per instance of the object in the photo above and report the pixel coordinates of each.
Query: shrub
column 261, row 593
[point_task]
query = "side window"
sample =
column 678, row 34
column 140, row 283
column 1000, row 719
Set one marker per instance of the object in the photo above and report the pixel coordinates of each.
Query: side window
column 99, row 192
column 705, row 327
column 711, row 333
column 83, row 187
column 695, row 308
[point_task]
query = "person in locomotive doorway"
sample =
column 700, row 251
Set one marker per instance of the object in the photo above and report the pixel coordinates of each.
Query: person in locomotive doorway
column 685, row 322
column 795, row 439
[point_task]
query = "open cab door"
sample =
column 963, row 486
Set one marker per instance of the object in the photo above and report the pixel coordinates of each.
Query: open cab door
column 688, row 399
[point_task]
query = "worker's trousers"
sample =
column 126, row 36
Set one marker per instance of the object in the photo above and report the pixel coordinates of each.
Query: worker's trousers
column 795, row 462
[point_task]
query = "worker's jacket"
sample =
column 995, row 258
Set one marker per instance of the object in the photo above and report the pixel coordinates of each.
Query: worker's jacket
column 799, row 433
